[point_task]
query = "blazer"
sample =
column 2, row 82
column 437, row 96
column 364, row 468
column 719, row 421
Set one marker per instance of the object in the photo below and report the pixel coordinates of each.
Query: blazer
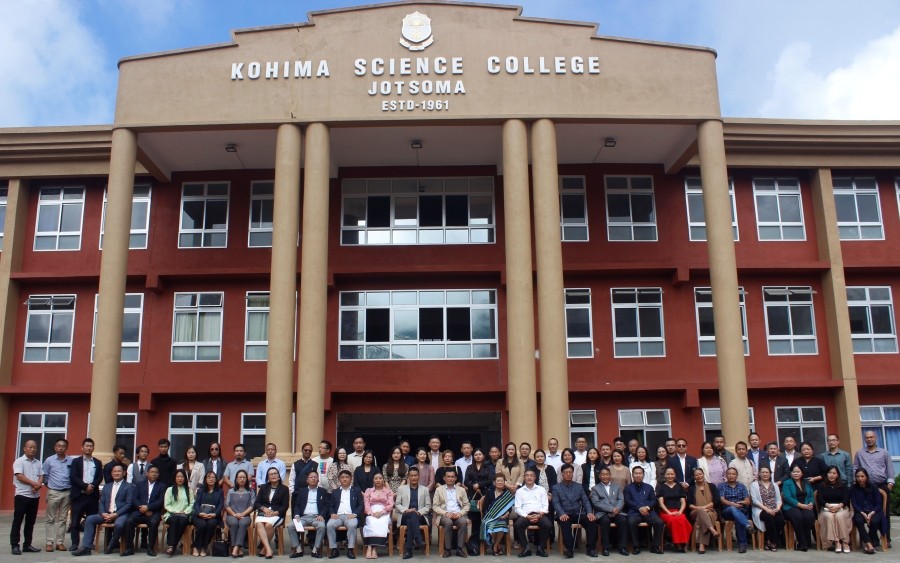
column 781, row 472
column 124, row 498
column 155, row 501
column 215, row 498
column 279, row 502
column 357, row 506
column 690, row 463
column 439, row 503
column 484, row 477
column 637, row 496
column 605, row 504
column 301, row 497
column 220, row 469
column 790, row 495
column 586, row 469
column 76, row 477
column 401, row 501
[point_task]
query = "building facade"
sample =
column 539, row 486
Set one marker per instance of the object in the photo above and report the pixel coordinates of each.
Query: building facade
column 435, row 218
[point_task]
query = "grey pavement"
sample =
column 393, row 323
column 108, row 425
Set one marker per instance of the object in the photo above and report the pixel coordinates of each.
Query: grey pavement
column 711, row 556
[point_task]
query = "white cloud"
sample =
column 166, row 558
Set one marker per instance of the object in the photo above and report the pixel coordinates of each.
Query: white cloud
column 55, row 72
column 864, row 88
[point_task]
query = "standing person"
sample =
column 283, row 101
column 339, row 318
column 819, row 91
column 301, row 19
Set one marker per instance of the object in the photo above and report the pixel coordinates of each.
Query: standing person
column 149, row 495
column 632, row 451
column 640, row 506
column 511, row 468
column 642, row 459
column 813, row 467
column 118, row 459
column 435, row 456
column 525, row 455
column 790, row 452
column 608, row 502
column 237, row 464
column 713, row 466
column 324, row 458
column 395, row 469
column 776, row 463
column 29, row 478
column 85, row 474
column 407, row 457
column 532, row 508
column 479, row 475
column 116, row 503
column 572, row 506
column 193, row 467
column 356, row 456
column 426, row 471
column 745, row 468
column 661, row 461
column 450, row 505
column 347, row 509
column 412, row 505
column 166, row 464
column 837, row 457
column 302, row 467
column 364, row 474
column 331, row 480
column 465, row 461
column 554, row 458
column 683, row 464
column 238, row 507
column 580, row 452
column 271, row 460
column 214, row 462
column 755, row 453
column 719, row 449
column 137, row 471
column 56, row 473
column 877, row 462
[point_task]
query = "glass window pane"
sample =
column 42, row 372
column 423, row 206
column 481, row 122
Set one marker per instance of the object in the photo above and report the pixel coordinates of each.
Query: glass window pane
column 406, row 326
column 625, row 323
column 483, row 327
column 406, row 211
column 578, row 323
column 457, row 210
column 431, row 211
column 379, row 212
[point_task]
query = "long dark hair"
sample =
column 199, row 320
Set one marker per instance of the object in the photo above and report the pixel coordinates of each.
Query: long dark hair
column 869, row 486
column 515, row 458
column 389, row 466
column 215, row 486
column 246, row 486
column 186, row 486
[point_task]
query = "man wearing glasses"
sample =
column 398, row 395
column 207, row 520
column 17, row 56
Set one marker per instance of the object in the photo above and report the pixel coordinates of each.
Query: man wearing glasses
column 683, row 464
column 214, row 462
column 302, row 467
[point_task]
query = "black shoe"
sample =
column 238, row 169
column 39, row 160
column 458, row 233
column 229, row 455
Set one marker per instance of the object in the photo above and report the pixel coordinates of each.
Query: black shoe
column 351, row 554
column 82, row 551
column 419, row 543
column 108, row 549
column 407, row 554
column 30, row 549
column 315, row 554
column 126, row 553
column 295, row 555
column 150, row 552
column 16, row 550
column 525, row 553
column 655, row 549
column 73, row 547
column 591, row 553
column 335, row 552
column 540, row 552
column 143, row 544
column 460, row 552
column 635, row 551
column 742, row 549
column 446, row 553
column 567, row 554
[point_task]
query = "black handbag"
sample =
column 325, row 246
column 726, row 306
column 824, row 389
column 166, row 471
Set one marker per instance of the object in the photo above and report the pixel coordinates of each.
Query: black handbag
column 219, row 546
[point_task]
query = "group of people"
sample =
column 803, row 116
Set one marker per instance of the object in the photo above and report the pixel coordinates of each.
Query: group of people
column 608, row 491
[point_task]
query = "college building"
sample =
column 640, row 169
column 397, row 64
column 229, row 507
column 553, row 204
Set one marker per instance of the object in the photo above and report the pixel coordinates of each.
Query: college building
column 424, row 218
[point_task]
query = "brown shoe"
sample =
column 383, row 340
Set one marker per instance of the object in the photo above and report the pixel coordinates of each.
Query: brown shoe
column 60, row 547
column 49, row 547
column 446, row 554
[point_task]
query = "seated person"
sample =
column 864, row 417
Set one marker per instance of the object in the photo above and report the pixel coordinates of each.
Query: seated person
column 608, row 502
column 532, row 508
column 347, row 509
column 572, row 506
column 311, row 506
column 412, row 505
column 736, row 506
column 640, row 506
column 116, row 502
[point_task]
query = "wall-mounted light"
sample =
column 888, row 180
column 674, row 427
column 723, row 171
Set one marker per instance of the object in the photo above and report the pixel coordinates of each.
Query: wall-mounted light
column 416, row 144
column 230, row 147
column 609, row 142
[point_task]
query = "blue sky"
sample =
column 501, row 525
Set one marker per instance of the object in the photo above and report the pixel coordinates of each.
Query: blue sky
column 819, row 59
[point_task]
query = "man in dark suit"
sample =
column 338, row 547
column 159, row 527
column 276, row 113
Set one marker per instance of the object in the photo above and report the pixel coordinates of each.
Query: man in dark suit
column 116, row 502
column 311, row 506
column 347, row 509
column 148, row 504
column 608, row 502
column 683, row 464
column 640, row 504
column 776, row 463
column 85, row 474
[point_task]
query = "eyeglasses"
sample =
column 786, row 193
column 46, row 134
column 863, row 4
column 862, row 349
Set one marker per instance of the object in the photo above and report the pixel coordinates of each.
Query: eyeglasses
column 307, row 451
column 681, row 445
column 213, row 449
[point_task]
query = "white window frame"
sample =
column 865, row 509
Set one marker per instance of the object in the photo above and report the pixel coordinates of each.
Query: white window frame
column 45, row 201
column 248, row 311
column 693, row 187
column 45, row 449
column 63, row 301
column 626, row 427
column 573, row 342
column 407, row 230
column 206, row 198
column 856, row 229
column 637, row 306
column 802, row 425
column 631, row 191
column 865, row 342
column 142, row 195
column 247, row 431
column 782, row 188
column 198, row 309
column 262, row 198
column 193, row 431
column 706, row 345
column 794, row 300
column 399, row 303
column 123, row 432
column 4, row 198
column 571, row 228
column 878, row 419
column 139, row 311
column 712, row 420
column 583, row 423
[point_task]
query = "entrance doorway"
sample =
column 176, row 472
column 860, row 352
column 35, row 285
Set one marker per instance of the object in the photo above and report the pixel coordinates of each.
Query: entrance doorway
column 383, row 431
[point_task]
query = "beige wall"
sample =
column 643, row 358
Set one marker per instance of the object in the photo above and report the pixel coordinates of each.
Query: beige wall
column 635, row 80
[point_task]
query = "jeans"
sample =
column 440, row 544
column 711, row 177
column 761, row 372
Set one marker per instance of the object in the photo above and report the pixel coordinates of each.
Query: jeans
column 740, row 522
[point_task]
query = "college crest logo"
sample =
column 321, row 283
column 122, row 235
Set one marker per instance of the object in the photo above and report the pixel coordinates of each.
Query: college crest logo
column 416, row 32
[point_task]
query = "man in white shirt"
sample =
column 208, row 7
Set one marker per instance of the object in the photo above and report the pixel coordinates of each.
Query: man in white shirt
column 580, row 450
column 790, row 452
column 532, row 506
column 554, row 458
column 311, row 506
column 356, row 456
column 28, row 479
column 434, row 451
column 466, row 460
column 347, row 507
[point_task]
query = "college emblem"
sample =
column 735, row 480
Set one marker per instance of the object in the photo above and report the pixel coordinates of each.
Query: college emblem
column 416, row 32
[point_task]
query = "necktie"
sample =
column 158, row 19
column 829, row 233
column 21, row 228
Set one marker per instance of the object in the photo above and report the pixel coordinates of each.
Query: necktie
column 142, row 468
